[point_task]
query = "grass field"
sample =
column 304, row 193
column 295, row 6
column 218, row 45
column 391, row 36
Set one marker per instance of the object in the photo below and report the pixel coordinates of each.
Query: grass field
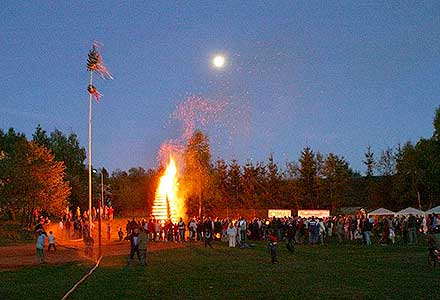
column 321, row 272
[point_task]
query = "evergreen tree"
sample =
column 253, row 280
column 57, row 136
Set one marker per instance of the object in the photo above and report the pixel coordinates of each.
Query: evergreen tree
column 274, row 183
column 197, row 170
column 337, row 175
column 254, row 184
column 308, row 174
column 320, row 185
column 293, row 192
column 235, row 184
column 370, row 164
column 407, row 181
column 219, row 184
column 386, row 167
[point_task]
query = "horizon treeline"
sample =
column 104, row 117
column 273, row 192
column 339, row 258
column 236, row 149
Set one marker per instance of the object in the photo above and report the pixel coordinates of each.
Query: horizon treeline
column 49, row 172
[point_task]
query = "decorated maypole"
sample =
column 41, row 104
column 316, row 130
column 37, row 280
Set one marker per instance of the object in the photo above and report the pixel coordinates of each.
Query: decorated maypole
column 94, row 64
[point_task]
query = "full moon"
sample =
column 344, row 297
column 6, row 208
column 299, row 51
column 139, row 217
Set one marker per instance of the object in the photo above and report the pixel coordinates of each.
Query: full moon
column 218, row 61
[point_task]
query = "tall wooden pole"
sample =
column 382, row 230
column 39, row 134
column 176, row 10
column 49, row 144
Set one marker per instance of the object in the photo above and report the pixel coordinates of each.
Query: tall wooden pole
column 101, row 205
column 99, row 229
column 90, row 151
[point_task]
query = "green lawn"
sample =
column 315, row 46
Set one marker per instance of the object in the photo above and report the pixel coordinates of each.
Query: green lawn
column 321, row 272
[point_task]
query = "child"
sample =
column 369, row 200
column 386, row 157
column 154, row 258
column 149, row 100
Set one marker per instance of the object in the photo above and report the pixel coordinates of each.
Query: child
column 120, row 234
column 272, row 245
column 40, row 245
column 51, row 242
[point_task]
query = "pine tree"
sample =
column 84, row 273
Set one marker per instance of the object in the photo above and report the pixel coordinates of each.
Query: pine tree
column 198, row 168
column 308, row 174
column 370, row 164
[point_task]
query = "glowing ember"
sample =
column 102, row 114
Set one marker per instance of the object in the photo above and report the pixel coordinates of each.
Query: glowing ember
column 198, row 112
column 167, row 204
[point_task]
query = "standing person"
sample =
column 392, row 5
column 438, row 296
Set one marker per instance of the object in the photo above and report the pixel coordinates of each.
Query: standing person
column 192, row 226
column 40, row 245
column 340, row 228
column 150, row 230
column 329, row 227
column 290, row 235
column 259, row 227
column 272, row 244
column 120, row 234
column 347, row 228
column 242, row 227
column 209, row 229
column 199, row 229
column 232, row 235
column 61, row 225
column 78, row 212
column 157, row 230
column 385, row 232
column 299, row 228
column 110, row 213
column 134, row 245
column 51, row 239
column 412, row 226
column 143, row 238
column 133, row 224
column 366, row 230
column 128, row 228
column 68, row 225
column 313, row 231
column 181, row 227
column 109, row 229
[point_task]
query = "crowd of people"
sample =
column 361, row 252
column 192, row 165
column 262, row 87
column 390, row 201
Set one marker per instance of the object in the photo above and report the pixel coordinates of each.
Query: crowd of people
column 301, row 230
column 239, row 231
column 73, row 225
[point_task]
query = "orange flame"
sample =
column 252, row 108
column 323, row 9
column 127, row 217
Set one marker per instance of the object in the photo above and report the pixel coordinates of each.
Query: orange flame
column 167, row 204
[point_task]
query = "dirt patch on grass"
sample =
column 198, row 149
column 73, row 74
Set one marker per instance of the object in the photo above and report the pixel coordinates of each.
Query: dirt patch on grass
column 20, row 255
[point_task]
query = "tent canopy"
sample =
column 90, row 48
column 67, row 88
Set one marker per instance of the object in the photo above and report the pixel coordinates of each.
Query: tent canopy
column 381, row 212
column 435, row 210
column 410, row 211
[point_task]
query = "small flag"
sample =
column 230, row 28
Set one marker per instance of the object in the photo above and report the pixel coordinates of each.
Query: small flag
column 95, row 62
column 94, row 92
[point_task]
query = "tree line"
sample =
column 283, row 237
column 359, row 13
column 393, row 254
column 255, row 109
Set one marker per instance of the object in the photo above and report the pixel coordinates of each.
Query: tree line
column 49, row 172
column 406, row 175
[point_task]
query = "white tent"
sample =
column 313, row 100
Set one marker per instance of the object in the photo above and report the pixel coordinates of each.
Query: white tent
column 410, row 211
column 435, row 210
column 381, row 212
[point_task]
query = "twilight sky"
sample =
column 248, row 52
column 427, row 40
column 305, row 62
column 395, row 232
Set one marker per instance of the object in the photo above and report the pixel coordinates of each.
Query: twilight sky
column 335, row 76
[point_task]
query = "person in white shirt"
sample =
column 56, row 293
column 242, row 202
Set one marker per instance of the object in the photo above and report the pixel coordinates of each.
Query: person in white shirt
column 232, row 235
column 192, row 229
column 51, row 239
